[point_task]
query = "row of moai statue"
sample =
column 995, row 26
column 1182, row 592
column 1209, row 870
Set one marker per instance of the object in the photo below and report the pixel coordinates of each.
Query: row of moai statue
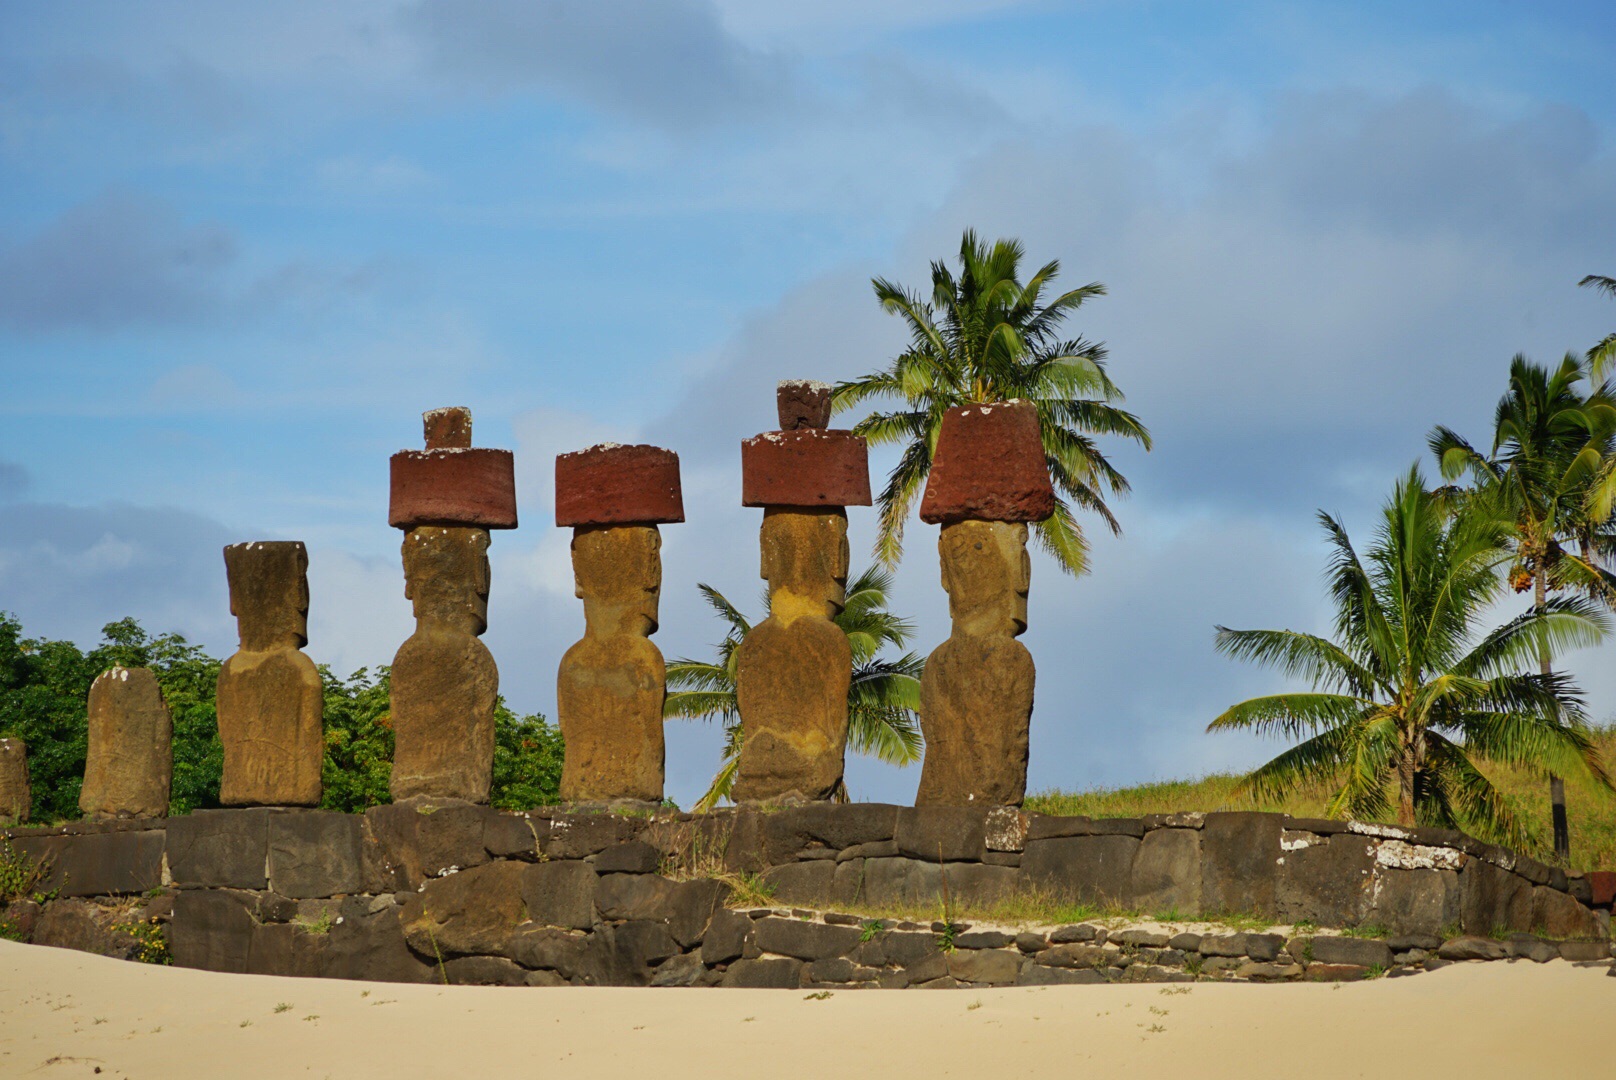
column 988, row 480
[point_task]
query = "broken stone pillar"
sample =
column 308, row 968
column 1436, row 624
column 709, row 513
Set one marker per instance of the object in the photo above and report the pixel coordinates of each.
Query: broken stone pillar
column 270, row 703
column 15, row 796
column 444, row 684
column 611, row 684
column 130, row 762
column 794, row 669
column 988, row 479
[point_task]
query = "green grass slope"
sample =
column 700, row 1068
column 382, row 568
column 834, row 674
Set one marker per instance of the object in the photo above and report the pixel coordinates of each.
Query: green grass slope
column 1591, row 812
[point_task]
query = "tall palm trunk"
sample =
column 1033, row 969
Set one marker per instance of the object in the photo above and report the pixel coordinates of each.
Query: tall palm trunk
column 1557, row 803
column 1405, row 784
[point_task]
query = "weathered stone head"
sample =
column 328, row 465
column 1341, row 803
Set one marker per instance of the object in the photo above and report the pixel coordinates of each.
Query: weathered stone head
column 269, row 593
column 446, row 576
column 618, row 575
column 805, row 560
column 986, row 573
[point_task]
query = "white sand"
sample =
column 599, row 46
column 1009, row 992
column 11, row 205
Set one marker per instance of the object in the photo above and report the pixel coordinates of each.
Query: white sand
column 62, row 1014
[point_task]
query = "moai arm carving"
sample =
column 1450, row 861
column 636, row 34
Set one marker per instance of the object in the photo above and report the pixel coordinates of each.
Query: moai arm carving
column 270, row 701
column 612, row 683
column 988, row 480
column 445, row 684
column 130, row 759
column 794, row 669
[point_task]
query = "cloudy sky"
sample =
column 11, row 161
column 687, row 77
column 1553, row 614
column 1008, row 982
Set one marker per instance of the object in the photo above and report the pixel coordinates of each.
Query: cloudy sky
column 243, row 246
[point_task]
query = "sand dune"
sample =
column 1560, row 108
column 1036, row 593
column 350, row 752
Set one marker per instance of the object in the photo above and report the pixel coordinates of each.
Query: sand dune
column 65, row 1014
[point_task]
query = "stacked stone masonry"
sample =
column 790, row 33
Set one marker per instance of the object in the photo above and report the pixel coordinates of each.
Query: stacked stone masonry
column 448, row 891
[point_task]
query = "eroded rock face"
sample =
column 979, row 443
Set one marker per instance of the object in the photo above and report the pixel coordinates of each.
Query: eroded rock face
column 270, row 702
column 612, row 683
column 794, row 669
column 977, row 690
column 130, row 762
column 444, row 678
column 15, row 795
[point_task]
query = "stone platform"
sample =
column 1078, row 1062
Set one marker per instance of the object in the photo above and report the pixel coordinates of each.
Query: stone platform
column 440, row 890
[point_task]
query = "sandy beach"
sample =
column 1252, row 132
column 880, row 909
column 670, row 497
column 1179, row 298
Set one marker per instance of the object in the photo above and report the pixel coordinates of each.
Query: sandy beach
column 68, row 1014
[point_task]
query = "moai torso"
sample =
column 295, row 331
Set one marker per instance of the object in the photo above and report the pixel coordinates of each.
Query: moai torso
column 444, row 683
column 270, row 702
column 976, row 691
column 444, row 679
column 130, row 759
column 15, row 795
column 793, row 670
column 988, row 479
column 612, row 683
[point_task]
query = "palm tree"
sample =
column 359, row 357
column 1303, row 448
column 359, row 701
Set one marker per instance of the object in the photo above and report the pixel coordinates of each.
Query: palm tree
column 1550, row 448
column 1602, row 357
column 882, row 701
column 1410, row 695
column 985, row 336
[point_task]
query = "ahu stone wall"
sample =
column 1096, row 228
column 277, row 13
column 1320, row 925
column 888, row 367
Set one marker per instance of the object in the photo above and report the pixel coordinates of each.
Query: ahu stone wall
column 430, row 890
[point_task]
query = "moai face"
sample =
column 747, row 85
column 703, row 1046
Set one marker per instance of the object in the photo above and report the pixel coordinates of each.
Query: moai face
column 986, row 572
column 805, row 560
column 269, row 593
column 446, row 575
column 617, row 570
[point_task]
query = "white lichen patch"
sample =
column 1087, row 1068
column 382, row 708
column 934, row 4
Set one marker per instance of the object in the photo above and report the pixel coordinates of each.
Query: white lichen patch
column 603, row 446
column 804, row 384
column 1291, row 840
column 1385, row 832
column 1404, row 856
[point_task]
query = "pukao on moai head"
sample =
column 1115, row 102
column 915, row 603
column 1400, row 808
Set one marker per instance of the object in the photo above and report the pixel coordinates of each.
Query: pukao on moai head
column 15, row 795
column 794, row 669
column 129, row 758
column 612, row 682
column 988, row 480
column 444, row 685
column 270, row 703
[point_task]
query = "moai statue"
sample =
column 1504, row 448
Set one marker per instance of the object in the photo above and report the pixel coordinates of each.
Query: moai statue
column 130, row 763
column 612, row 682
column 270, row 703
column 988, row 480
column 15, row 796
column 794, row 669
column 446, row 498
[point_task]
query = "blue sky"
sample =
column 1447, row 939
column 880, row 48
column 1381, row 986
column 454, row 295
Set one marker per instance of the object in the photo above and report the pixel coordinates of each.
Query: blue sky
column 243, row 246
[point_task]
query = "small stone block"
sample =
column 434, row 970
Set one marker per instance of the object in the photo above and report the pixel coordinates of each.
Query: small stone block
column 989, row 466
column 809, row 467
column 448, row 428
column 456, row 486
column 803, row 403
column 618, row 485
column 1602, row 886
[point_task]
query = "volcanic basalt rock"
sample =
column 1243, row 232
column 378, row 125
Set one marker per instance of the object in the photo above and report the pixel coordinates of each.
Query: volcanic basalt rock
column 15, row 796
column 612, row 682
column 130, row 759
column 270, row 702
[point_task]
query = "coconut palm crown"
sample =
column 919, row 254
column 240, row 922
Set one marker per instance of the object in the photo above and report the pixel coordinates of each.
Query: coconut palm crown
column 1602, row 357
column 1412, row 693
column 882, row 702
column 986, row 336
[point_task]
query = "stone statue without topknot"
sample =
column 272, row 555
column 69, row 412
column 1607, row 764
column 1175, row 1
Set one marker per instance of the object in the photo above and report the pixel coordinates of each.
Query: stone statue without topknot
column 15, row 796
column 794, row 669
column 129, row 763
column 612, row 683
column 270, row 702
column 444, row 683
column 988, row 480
